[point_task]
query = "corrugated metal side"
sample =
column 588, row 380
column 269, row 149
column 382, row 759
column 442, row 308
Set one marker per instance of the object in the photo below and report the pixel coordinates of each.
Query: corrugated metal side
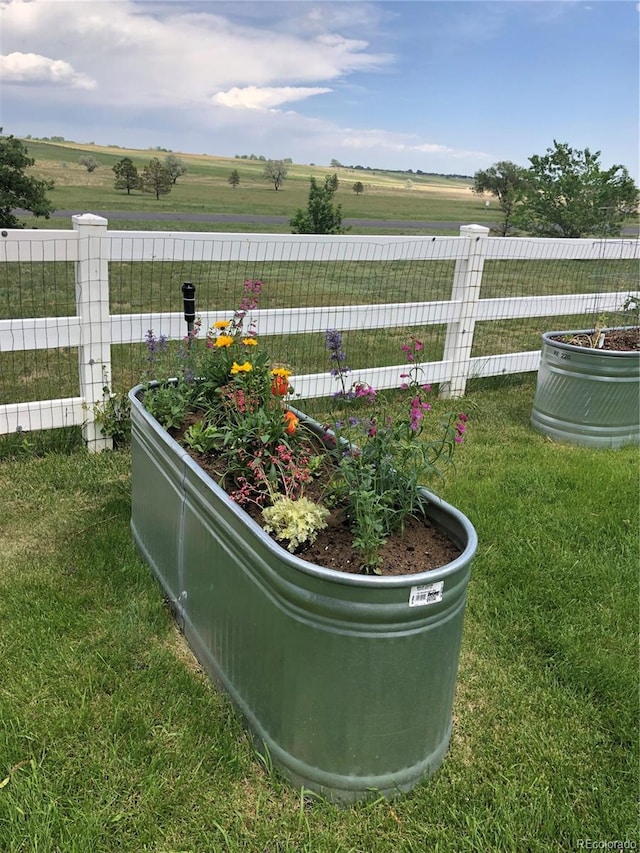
column 348, row 687
column 588, row 397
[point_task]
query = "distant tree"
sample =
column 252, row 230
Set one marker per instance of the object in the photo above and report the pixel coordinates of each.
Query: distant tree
column 234, row 178
column 333, row 182
column 321, row 215
column 568, row 195
column 335, row 164
column 90, row 163
column 358, row 187
column 506, row 182
column 156, row 178
column 16, row 189
column 275, row 171
column 408, row 184
column 175, row 167
column 127, row 177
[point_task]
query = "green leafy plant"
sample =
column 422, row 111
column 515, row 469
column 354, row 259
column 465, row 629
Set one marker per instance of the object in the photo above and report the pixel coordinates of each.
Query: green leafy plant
column 631, row 310
column 113, row 416
column 170, row 404
column 295, row 521
column 322, row 216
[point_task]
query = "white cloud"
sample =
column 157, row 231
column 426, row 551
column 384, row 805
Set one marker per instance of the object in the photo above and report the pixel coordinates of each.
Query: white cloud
column 265, row 97
column 140, row 53
column 383, row 140
column 35, row 69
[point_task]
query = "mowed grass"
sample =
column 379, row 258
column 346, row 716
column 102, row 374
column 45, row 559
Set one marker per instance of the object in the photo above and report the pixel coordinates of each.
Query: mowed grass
column 112, row 738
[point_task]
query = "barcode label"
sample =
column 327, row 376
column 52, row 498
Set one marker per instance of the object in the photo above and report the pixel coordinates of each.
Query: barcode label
column 426, row 594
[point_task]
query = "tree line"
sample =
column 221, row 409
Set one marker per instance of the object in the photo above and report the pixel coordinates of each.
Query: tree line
column 156, row 177
column 563, row 193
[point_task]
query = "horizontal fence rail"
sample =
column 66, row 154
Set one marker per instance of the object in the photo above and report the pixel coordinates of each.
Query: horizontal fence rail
column 65, row 295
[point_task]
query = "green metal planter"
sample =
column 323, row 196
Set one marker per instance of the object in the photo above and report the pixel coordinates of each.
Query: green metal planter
column 585, row 396
column 346, row 680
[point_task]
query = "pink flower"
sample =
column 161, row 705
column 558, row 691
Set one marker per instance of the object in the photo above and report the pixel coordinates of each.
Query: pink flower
column 408, row 352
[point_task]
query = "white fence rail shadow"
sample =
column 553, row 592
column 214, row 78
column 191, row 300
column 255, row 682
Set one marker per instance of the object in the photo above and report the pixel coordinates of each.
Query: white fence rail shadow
column 93, row 330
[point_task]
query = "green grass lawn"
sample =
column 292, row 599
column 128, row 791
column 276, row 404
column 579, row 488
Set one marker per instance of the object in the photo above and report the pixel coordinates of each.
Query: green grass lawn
column 112, row 738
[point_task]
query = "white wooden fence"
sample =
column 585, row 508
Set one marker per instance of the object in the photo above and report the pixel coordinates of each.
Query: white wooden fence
column 93, row 329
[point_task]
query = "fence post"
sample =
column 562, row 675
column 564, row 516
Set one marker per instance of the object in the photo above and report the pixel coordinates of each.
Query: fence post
column 467, row 280
column 92, row 307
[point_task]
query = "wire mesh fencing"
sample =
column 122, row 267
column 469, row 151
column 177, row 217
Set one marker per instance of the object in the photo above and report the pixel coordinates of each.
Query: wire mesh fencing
column 78, row 308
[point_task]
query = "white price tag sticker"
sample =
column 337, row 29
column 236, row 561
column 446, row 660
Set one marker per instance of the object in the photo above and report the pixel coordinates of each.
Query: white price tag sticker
column 426, row 594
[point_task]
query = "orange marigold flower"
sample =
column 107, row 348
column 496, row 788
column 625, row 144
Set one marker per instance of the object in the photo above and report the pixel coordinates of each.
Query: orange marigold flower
column 223, row 341
column 280, row 386
column 221, row 324
column 241, row 368
column 281, row 371
column 292, row 423
column 249, row 342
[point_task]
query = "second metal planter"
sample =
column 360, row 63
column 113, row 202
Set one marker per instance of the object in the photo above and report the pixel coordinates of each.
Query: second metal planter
column 587, row 396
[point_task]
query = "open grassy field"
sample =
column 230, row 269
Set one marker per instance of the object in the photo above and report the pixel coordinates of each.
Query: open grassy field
column 205, row 189
column 112, row 738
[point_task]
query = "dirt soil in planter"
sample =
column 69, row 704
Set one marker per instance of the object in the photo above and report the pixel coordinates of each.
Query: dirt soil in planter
column 619, row 340
column 420, row 548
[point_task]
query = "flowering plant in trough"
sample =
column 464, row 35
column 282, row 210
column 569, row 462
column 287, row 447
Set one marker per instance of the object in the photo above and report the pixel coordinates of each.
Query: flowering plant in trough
column 382, row 459
column 230, row 405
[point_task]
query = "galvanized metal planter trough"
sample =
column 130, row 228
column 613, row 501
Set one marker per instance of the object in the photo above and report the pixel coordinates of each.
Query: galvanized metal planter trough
column 346, row 680
column 587, row 396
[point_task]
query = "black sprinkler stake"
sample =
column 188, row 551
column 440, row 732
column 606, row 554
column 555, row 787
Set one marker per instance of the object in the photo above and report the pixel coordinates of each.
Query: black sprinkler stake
column 189, row 297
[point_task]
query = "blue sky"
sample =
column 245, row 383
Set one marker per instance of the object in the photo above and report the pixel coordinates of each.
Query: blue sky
column 446, row 87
